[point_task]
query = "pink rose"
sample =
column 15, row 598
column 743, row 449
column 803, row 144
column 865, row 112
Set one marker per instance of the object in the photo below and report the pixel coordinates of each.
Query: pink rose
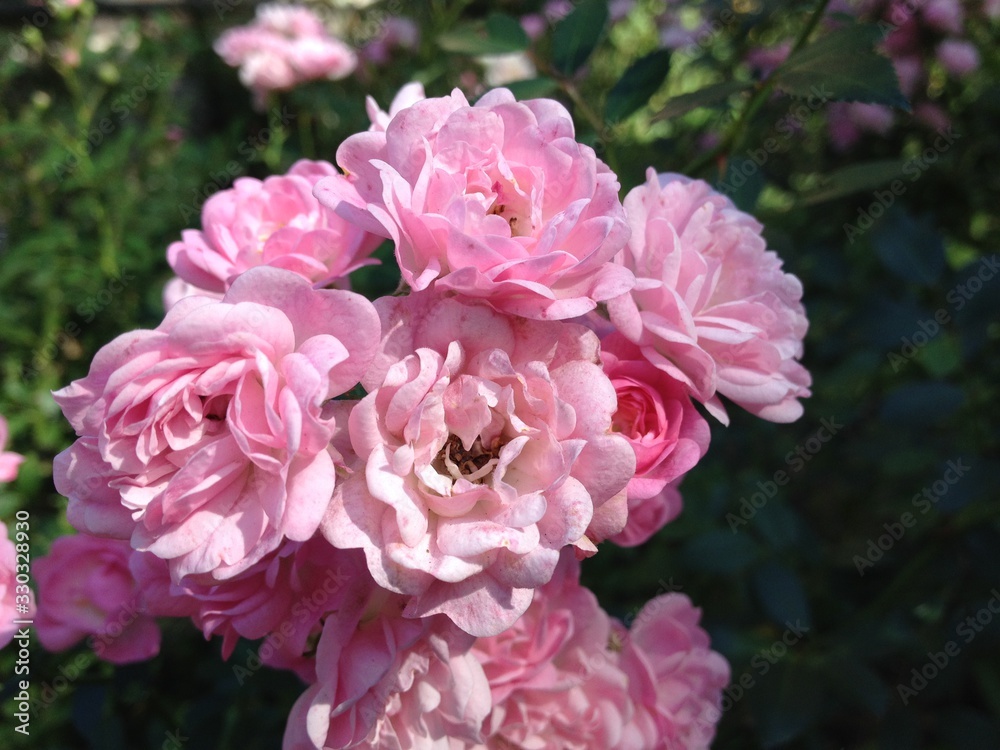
column 215, row 428
column 385, row 681
column 9, row 462
column 275, row 222
column 495, row 201
column 283, row 598
column 486, row 447
column 712, row 307
column 407, row 96
column 12, row 593
column 555, row 682
column 674, row 678
column 85, row 589
column 668, row 435
column 284, row 46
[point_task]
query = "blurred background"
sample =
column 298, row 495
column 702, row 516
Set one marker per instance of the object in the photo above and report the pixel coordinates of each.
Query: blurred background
column 847, row 565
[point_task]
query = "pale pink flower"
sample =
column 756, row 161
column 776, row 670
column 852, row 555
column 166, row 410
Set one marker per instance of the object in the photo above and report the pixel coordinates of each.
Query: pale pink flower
column 9, row 462
column 215, row 428
column 275, row 222
column 283, row 47
column 958, row 56
column 496, row 201
column 486, row 447
column 668, row 435
column 712, row 307
column 389, row 682
column 674, row 678
column 85, row 589
column 283, row 598
column 12, row 594
column 407, row 96
column 554, row 679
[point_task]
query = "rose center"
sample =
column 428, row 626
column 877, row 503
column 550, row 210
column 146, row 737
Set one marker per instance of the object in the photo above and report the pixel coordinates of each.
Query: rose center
column 475, row 464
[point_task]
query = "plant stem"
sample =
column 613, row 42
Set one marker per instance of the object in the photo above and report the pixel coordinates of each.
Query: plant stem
column 733, row 139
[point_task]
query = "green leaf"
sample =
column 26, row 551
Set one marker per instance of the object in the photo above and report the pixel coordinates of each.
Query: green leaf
column 639, row 83
column 910, row 248
column 781, row 594
column 497, row 35
column 711, row 96
column 576, row 36
column 921, row 404
column 843, row 65
column 854, row 179
column 532, row 88
column 720, row 552
column 787, row 703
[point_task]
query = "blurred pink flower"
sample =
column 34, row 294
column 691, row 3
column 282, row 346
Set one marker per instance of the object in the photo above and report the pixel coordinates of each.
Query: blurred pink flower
column 9, row 462
column 275, row 222
column 712, row 307
column 495, row 201
column 215, row 428
column 958, row 56
column 397, row 32
column 283, row 47
column 668, row 435
column 487, row 447
column 674, row 678
column 946, row 16
column 765, row 60
column 10, row 595
column 386, row 681
column 85, row 589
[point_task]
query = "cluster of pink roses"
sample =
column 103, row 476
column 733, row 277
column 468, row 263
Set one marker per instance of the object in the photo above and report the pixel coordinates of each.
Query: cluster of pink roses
column 396, row 494
column 285, row 46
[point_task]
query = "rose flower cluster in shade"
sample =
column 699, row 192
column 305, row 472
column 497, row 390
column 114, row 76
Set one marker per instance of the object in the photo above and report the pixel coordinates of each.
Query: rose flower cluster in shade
column 397, row 494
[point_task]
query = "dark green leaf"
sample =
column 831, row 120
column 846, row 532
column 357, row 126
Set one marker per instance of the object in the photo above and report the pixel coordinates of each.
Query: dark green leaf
column 743, row 182
column 639, row 83
column 787, row 702
column 921, row 404
column 720, row 552
column 781, row 594
column 857, row 684
column 843, row 65
column 711, row 96
column 532, row 88
column 499, row 34
column 576, row 36
column 910, row 248
column 855, row 179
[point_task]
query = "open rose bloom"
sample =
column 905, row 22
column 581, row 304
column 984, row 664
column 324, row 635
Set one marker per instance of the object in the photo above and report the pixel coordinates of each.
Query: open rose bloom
column 394, row 496
column 272, row 222
column 495, row 201
column 487, row 447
